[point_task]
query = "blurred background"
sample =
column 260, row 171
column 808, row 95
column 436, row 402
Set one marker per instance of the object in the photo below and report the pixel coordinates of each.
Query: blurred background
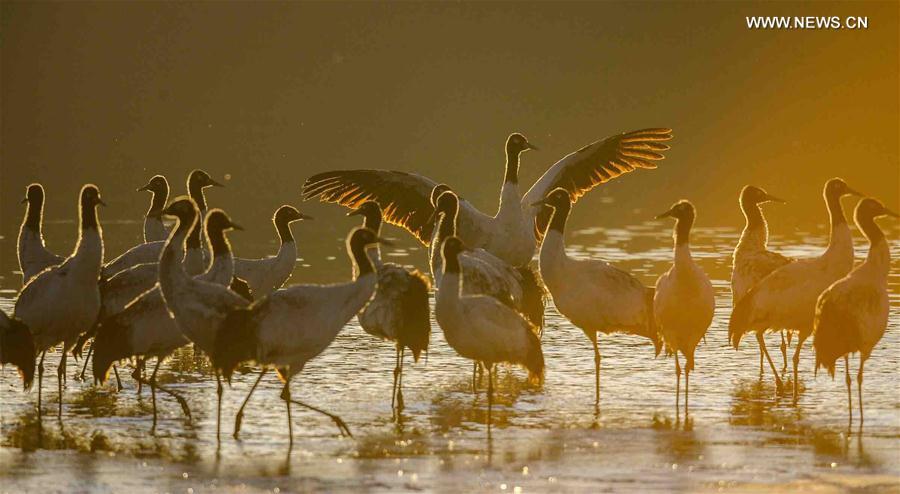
column 262, row 95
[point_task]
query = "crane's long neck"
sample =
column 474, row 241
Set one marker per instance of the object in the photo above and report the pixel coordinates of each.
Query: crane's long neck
column 451, row 281
column 879, row 257
column 218, row 242
column 553, row 247
column 90, row 236
column 683, row 227
column 195, row 190
column 171, row 271
column 510, row 198
column 512, row 167
column 756, row 230
column 372, row 221
column 34, row 214
column 362, row 265
column 284, row 231
column 840, row 239
column 193, row 239
column 446, row 225
column 158, row 203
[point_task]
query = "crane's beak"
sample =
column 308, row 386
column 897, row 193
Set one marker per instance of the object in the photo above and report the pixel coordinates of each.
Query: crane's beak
column 667, row 214
column 100, row 202
column 355, row 212
column 214, row 183
column 305, row 217
column 771, row 198
column 141, row 189
column 529, row 145
column 854, row 192
column 235, row 226
column 891, row 213
column 24, row 200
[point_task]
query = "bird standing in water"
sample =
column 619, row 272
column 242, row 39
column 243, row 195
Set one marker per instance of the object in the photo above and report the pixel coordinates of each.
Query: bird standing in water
column 852, row 314
column 684, row 302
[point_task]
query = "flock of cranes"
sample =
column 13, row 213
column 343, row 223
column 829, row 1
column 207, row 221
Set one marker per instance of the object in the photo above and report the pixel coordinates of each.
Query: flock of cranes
column 174, row 289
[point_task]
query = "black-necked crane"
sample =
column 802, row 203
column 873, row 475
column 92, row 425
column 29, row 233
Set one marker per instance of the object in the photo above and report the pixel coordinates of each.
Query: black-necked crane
column 17, row 347
column 399, row 311
column 268, row 274
column 482, row 329
column 154, row 228
column 485, row 273
column 513, row 232
column 198, row 307
column 33, row 254
column 591, row 293
column 786, row 298
column 145, row 328
column 852, row 314
column 293, row 325
column 149, row 252
column 684, row 302
column 63, row 301
column 752, row 261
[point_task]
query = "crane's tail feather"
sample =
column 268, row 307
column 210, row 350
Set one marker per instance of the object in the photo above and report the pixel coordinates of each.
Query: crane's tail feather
column 415, row 331
column 236, row 342
column 17, row 348
column 534, row 359
column 534, row 296
column 739, row 323
column 111, row 344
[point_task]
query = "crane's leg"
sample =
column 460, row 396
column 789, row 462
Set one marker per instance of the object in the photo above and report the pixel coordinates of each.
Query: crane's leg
column 859, row 381
column 286, row 396
column 800, row 341
column 397, row 370
column 474, row 374
column 153, row 391
column 761, row 357
column 138, row 374
column 400, row 381
column 342, row 426
column 119, row 386
column 155, row 386
column 61, row 375
column 40, row 381
column 596, row 370
column 849, row 394
column 677, row 381
column 219, row 391
column 240, row 414
column 765, row 352
column 490, row 394
column 86, row 359
column 784, row 349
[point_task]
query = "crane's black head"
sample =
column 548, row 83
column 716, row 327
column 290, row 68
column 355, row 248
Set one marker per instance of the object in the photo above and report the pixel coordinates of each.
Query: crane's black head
column 361, row 237
column 90, row 197
column 370, row 210
column 517, row 143
column 452, row 247
column 183, row 207
column 218, row 221
column 34, row 194
column 437, row 191
column 158, row 185
column 681, row 210
column 17, row 347
column 837, row 188
column 201, row 179
column 869, row 209
column 752, row 195
column 446, row 202
column 558, row 198
column 288, row 214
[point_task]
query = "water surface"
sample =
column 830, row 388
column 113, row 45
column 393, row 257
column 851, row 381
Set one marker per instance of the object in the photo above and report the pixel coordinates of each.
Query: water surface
column 740, row 435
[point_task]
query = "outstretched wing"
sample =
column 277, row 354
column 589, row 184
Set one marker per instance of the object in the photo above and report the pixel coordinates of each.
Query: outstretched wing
column 595, row 164
column 405, row 198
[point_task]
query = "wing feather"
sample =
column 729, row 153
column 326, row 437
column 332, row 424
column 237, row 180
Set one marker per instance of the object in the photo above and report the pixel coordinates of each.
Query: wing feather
column 594, row 164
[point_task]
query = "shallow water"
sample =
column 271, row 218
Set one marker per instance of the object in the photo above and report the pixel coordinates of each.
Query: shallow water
column 740, row 435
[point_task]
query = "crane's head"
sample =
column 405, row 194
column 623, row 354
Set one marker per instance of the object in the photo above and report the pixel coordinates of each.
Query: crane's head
column 869, row 209
column 288, row 214
column 218, row 221
column 681, row 210
column 90, row 196
column 437, row 191
column 34, row 194
column 200, row 179
column 557, row 198
column 837, row 188
column 183, row 207
column 752, row 195
column 517, row 143
column 157, row 185
column 452, row 247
